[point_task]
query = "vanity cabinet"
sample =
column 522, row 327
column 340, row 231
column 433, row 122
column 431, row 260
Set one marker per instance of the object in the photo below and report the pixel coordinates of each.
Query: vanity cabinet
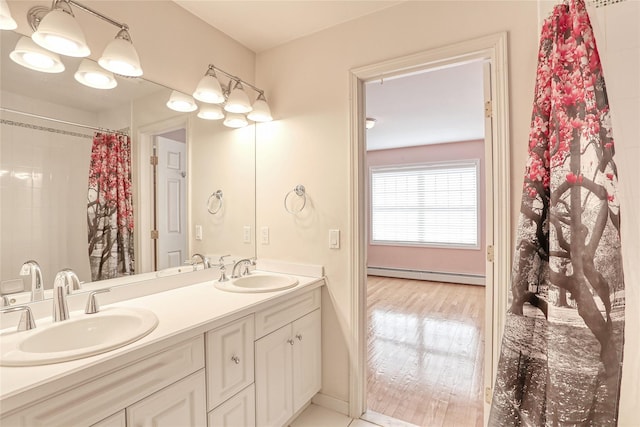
column 288, row 370
column 101, row 401
column 116, row 420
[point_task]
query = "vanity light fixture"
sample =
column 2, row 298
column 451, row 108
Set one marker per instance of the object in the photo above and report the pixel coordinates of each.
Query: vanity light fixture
column 181, row 102
column 261, row 111
column 6, row 20
column 235, row 120
column 238, row 101
column 30, row 55
column 369, row 123
column 211, row 112
column 209, row 89
column 58, row 31
column 92, row 75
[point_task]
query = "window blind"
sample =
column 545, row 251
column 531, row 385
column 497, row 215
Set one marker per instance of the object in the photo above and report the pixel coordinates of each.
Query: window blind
column 429, row 204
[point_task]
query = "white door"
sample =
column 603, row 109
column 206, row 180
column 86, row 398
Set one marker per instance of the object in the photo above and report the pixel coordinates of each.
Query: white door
column 171, row 203
column 307, row 371
column 273, row 375
column 180, row 404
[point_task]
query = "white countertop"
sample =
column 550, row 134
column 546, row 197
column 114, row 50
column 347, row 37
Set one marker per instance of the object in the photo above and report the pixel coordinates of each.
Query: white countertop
column 183, row 313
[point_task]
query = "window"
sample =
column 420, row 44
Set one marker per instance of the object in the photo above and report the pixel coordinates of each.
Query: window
column 434, row 204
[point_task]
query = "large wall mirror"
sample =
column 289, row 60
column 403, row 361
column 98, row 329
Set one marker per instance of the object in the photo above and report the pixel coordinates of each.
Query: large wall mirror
column 200, row 196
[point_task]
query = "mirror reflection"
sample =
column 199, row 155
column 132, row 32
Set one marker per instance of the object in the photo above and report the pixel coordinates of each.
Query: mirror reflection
column 59, row 197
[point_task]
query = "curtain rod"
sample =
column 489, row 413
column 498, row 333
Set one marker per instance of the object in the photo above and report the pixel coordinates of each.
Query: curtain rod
column 38, row 116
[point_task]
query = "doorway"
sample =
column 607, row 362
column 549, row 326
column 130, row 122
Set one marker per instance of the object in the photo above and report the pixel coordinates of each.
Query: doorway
column 425, row 159
column 492, row 50
column 162, row 196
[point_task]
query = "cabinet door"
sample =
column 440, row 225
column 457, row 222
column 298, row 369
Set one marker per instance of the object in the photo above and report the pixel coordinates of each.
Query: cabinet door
column 307, row 373
column 274, row 378
column 116, row 420
column 181, row 404
column 239, row 411
column 229, row 364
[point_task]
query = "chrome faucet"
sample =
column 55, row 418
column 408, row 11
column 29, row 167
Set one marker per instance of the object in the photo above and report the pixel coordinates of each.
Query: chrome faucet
column 246, row 262
column 32, row 269
column 62, row 285
column 74, row 284
column 27, row 321
column 223, row 269
column 204, row 260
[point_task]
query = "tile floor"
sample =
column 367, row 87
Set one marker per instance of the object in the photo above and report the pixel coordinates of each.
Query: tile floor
column 317, row 416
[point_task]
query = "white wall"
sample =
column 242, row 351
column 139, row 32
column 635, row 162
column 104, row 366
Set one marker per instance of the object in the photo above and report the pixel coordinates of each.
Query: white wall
column 308, row 143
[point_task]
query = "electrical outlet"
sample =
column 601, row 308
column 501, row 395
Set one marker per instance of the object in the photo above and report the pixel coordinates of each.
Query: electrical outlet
column 264, row 235
column 246, row 234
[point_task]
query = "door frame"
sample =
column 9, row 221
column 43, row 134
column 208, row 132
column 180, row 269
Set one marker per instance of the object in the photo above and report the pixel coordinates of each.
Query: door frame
column 143, row 199
column 492, row 48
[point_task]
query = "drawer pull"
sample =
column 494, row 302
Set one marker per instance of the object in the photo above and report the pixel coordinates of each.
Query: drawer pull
column 299, row 336
column 235, row 359
column 290, row 341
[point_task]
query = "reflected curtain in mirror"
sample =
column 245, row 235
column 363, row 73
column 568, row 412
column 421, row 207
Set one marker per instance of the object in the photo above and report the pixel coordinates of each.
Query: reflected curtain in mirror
column 110, row 207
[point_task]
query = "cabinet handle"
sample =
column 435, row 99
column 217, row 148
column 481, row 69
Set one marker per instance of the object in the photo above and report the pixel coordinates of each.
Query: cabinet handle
column 299, row 336
column 235, row 359
column 290, row 341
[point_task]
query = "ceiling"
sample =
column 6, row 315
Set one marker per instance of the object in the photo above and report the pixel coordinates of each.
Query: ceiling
column 262, row 25
column 424, row 108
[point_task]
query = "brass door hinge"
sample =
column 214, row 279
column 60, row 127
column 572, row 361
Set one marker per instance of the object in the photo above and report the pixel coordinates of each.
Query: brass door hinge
column 488, row 109
column 488, row 395
column 490, row 255
column 154, row 160
column 155, row 234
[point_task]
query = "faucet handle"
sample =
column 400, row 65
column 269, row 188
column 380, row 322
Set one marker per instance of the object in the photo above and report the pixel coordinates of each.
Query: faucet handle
column 92, row 306
column 27, row 321
column 221, row 259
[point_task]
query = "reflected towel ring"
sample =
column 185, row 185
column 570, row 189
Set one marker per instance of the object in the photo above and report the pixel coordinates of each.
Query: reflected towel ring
column 218, row 196
column 300, row 192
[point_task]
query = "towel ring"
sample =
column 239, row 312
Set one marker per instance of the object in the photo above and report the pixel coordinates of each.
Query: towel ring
column 300, row 192
column 216, row 195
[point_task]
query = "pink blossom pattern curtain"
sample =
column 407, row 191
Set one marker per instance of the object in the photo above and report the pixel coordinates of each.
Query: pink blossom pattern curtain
column 561, row 356
column 110, row 207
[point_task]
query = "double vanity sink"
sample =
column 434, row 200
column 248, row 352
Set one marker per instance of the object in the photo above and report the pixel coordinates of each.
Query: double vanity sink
column 84, row 335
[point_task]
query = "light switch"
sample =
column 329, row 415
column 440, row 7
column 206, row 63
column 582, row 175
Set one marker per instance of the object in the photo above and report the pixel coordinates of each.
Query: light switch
column 264, row 235
column 198, row 232
column 334, row 239
column 246, row 234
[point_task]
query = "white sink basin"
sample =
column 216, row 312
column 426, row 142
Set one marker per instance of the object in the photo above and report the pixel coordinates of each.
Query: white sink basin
column 83, row 336
column 258, row 282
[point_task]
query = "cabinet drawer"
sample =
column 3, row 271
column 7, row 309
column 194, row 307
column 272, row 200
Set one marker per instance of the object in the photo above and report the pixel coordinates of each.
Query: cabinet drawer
column 94, row 401
column 275, row 317
column 115, row 420
column 229, row 352
column 180, row 404
column 239, row 411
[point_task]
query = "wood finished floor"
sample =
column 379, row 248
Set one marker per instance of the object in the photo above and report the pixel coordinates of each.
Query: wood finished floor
column 425, row 351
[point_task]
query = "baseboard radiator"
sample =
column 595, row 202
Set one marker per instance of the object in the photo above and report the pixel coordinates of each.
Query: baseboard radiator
column 435, row 276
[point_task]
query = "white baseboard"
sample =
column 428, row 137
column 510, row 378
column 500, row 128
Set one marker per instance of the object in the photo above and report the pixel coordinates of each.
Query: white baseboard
column 332, row 403
column 467, row 279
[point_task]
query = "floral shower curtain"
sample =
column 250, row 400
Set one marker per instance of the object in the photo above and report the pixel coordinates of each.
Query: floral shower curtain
column 110, row 207
column 561, row 356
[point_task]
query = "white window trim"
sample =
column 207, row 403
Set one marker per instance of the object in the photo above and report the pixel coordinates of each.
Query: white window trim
column 428, row 165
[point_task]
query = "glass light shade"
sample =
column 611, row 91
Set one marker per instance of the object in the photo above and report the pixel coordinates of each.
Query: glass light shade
column 6, row 20
column 369, row 123
column 30, row 55
column 238, row 101
column 120, row 57
column 261, row 111
column 181, row 102
column 59, row 32
column 209, row 90
column 235, row 120
column 210, row 112
column 92, row 75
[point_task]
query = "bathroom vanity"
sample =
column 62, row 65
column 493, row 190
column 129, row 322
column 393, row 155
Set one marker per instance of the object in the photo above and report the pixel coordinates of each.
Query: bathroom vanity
column 216, row 358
